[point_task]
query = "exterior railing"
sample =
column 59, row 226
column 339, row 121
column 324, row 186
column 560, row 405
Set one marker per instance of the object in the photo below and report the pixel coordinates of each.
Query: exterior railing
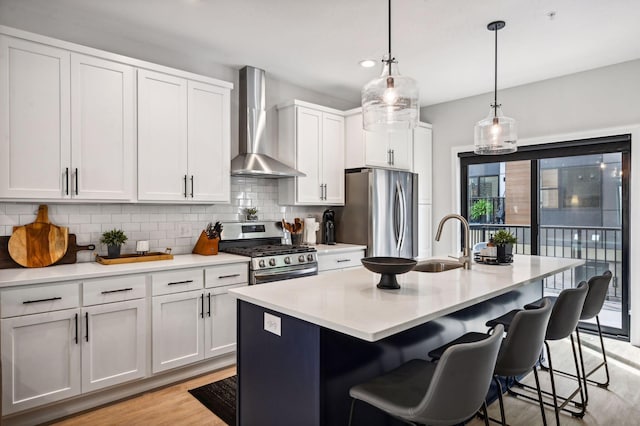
column 600, row 247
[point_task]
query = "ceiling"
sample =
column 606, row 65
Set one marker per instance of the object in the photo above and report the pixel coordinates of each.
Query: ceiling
column 317, row 44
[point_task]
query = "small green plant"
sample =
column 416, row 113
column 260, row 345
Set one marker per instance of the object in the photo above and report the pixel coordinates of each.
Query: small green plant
column 481, row 208
column 502, row 237
column 251, row 211
column 115, row 237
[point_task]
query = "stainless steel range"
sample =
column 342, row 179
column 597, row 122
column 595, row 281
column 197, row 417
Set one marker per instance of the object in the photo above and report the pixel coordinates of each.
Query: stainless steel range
column 270, row 260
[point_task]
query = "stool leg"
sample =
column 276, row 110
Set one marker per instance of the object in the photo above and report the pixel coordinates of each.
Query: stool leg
column 553, row 385
column 582, row 399
column 604, row 355
column 544, row 417
column 353, row 402
column 485, row 413
column 584, row 374
column 502, row 414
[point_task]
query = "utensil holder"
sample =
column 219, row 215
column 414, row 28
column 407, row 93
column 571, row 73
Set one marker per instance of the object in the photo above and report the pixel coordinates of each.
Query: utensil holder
column 296, row 239
column 206, row 246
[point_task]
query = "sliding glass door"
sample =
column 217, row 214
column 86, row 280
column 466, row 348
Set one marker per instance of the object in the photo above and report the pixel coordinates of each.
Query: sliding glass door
column 568, row 199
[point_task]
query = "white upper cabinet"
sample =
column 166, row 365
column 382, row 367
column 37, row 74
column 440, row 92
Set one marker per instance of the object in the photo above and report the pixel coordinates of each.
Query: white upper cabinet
column 183, row 139
column 423, row 161
column 375, row 149
column 311, row 139
column 69, row 123
column 103, row 129
column 34, row 120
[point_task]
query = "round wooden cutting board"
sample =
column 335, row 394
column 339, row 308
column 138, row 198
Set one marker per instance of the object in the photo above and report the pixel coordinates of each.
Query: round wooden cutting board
column 40, row 243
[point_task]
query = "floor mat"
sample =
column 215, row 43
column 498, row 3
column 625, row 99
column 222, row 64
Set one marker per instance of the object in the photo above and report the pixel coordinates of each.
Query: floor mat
column 220, row 398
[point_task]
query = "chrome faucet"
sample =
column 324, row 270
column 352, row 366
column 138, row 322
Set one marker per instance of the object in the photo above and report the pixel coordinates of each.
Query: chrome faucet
column 466, row 251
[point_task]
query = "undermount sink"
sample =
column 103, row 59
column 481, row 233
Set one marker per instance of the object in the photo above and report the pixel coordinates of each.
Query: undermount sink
column 437, row 266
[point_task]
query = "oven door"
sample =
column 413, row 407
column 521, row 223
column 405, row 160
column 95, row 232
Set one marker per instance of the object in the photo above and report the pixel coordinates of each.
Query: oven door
column 284, row 273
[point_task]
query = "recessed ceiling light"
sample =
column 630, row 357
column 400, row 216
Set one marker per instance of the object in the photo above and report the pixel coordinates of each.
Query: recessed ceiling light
column 368, row 63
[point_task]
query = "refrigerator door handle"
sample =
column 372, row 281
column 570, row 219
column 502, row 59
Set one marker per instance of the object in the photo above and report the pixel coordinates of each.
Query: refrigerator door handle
column 403, row 218
column 399, row 216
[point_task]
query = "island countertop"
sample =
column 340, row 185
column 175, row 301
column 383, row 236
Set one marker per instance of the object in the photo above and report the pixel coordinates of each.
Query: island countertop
column 349, row 302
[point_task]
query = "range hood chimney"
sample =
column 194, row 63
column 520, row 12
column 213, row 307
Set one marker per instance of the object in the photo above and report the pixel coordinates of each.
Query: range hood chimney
column 251, row 162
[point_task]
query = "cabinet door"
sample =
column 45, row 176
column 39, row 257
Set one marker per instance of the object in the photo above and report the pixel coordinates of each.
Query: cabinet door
column 209, row 140
column 177, row 336
column 422, row 162
column 220, row 321
column 40, row 359
column 376, row 149
column 309, row 154
column 34, row 120
column 162, row 137
column 333, row 158
column 113, row 343
column 401, row 146
column 424, row 230
column 103, row 130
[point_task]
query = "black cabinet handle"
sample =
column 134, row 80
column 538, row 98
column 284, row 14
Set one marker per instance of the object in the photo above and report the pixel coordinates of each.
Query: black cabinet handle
column 393, row 156
column 76, row 329
column 76, row 181
column 66, row 178
column 191, row 186
column 343, row 260
column 202, row 306
column 185, row 186
column 180, row 282
column 26, row 302
column 228, row 276
column 209, row 301
column 86, row 319
column 117, row 291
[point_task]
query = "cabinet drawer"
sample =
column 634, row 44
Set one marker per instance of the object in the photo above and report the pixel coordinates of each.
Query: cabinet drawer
column 114, row 289
column 236, row 273
column 327, row 262
column 33, row 300
column 176, row 281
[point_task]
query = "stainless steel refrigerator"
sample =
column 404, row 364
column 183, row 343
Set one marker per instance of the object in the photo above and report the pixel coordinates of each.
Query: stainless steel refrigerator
column 381, row 212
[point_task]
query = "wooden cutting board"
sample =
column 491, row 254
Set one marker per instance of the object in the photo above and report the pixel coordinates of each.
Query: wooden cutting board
column 40, row 243
column 70, row 257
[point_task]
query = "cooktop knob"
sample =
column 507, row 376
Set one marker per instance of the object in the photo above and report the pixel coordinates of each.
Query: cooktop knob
column 272, row 262
column 261, row 263
column 301, row 258
column 310, row 257
column 287, row 260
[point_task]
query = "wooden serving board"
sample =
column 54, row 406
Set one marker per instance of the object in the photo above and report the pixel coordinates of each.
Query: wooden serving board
column 40, row 243
column 71, row 256
column 133, row 258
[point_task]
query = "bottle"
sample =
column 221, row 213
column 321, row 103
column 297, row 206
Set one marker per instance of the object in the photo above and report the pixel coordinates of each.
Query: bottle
column 493, row 250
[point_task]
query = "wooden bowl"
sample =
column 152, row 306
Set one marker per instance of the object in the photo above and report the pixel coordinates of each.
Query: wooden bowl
column 388, row 267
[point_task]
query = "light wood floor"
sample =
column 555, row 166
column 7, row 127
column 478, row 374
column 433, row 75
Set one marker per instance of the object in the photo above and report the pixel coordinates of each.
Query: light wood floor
column 617, row 406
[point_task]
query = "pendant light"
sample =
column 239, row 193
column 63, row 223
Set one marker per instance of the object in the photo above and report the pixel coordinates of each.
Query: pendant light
column 496, row 134
column 390, row 102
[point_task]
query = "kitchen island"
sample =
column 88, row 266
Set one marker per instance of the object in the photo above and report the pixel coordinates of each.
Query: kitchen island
column 303, row 343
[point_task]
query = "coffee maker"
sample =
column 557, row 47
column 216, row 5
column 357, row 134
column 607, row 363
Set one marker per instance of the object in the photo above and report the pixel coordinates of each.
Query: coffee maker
column 329, row 227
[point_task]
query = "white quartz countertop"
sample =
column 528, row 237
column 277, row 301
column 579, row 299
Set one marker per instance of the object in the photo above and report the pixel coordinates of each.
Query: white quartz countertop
column 349, row 301
column 86, row 270
column 337, row 248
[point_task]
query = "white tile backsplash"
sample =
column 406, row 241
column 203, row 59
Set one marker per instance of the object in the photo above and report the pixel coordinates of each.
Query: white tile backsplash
column 157, row 223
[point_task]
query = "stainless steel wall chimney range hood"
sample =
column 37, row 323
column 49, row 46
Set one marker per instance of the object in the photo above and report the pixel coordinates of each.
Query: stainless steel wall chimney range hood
column 251, row 162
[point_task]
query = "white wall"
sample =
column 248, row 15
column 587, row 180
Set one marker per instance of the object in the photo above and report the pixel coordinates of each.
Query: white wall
column 593, row 103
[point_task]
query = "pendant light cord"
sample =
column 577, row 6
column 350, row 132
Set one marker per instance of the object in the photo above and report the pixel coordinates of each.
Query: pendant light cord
column 495, row 74
column 390, row 31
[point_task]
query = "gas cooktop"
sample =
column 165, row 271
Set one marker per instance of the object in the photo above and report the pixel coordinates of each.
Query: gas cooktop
column 268, row 250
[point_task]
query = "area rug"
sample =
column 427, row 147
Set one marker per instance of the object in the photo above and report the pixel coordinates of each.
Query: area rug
column 220, row 398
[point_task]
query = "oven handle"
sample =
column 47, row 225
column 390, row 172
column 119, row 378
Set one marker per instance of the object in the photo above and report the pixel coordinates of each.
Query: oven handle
column 290, row 274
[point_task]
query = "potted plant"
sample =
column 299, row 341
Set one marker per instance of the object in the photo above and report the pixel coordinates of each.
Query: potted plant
column 504, row 241
column 481, row 209
column 252, row 213
column 113, row 239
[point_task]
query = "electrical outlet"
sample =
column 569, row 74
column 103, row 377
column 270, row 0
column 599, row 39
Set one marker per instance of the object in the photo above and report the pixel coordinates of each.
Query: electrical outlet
column 184, row 230
column 272, row 324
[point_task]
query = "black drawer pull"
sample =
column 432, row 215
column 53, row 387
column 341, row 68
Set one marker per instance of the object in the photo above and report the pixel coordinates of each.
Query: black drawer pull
column 228, row 276
column 180, row 282
column 117, row 291
column 343, row 260
column 26, row 302
column 76, row 329
column 86, row 323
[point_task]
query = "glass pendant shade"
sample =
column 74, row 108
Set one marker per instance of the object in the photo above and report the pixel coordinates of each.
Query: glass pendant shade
column 390, row 102
column 495, row 134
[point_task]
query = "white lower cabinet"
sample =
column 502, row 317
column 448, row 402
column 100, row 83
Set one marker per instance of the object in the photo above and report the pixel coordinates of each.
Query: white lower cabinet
column 40, row 359
column 113, row 344
column 220, row 321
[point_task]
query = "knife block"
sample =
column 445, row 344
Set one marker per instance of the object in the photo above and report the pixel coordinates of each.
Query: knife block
column 205, row 246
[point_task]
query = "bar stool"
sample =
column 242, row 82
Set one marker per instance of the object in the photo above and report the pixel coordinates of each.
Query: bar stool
column 446, row 393
column 519, row 351
column 563, row 321
column 596, row 295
